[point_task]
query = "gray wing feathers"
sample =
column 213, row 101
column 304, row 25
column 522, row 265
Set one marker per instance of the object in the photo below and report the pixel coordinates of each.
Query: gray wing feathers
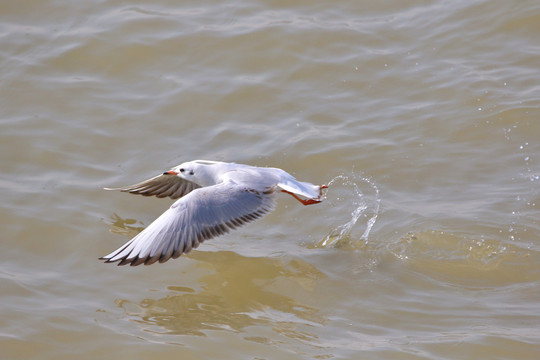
column 161, row 186
column 201, row 215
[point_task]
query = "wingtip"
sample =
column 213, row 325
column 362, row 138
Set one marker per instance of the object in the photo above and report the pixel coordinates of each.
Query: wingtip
column 125, row 261
column 107, row 260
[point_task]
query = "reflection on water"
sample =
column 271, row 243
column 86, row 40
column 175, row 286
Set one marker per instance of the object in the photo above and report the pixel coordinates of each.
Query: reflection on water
column 236, row 292
column 126, row 227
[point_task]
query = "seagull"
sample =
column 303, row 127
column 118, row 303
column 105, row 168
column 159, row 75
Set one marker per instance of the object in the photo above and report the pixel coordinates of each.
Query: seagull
column 213, row 198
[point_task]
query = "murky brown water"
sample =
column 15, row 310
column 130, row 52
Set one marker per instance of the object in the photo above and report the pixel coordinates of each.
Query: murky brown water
column 423, row 115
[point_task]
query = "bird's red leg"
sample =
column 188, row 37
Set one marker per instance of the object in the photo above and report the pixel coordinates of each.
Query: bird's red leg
column 305, row 202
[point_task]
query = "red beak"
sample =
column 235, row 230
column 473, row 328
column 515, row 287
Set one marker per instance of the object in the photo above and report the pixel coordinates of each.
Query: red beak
column 170, row 172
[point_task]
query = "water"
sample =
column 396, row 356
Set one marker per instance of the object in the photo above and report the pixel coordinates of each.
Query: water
column 362, row 207
column 423, row 116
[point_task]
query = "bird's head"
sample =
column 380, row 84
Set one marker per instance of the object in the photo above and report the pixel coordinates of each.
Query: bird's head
column 200, row 172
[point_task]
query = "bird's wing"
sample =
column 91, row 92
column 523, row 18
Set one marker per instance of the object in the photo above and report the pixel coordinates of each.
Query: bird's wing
column 161, row 186
column 202, row 214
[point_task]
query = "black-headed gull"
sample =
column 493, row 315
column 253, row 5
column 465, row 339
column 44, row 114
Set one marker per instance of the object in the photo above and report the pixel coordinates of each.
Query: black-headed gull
column 213, row 197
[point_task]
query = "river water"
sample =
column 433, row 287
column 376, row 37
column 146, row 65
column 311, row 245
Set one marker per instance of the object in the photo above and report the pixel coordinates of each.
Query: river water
column 423, row 116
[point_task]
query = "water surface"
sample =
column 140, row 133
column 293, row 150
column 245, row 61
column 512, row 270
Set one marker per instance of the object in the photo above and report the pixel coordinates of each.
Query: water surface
column 424, row 117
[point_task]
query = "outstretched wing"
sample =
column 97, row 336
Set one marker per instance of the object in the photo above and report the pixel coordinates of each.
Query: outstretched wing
column 201, row 215
column 161, row 186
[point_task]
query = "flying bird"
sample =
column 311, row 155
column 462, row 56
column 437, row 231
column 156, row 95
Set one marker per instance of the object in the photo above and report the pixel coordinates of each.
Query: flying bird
column 214, row 197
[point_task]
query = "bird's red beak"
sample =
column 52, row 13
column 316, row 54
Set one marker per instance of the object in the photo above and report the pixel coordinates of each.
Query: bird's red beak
column 170, row 172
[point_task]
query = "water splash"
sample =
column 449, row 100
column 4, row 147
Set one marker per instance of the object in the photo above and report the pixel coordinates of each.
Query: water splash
column 363, row 206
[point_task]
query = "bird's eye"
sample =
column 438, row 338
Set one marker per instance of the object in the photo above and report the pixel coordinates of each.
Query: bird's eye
column 182, row 170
